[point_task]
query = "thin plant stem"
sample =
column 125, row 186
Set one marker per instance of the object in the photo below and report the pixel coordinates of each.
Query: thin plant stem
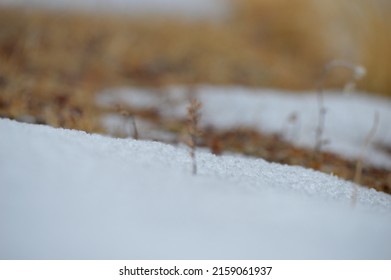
column 193, row 116
column 359, row 163
column 358, row 72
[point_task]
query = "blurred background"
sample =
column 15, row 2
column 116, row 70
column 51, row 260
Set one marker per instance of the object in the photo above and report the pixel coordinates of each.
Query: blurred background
column 55, row 55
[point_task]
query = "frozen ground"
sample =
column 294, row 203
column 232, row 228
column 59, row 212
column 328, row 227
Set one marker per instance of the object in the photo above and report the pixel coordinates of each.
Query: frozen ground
column 70, row 195
column 348, row 121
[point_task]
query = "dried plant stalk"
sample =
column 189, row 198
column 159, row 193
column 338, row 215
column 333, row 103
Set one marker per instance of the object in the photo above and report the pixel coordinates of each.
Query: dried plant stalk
column 358, row 72
column 135, row 130
column 126, row 114
column 193, row 117
column 359, row 163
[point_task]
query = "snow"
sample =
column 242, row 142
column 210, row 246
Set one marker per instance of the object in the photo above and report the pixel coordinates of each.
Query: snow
column 294, row 115
column 67, row 194
column 187, row 9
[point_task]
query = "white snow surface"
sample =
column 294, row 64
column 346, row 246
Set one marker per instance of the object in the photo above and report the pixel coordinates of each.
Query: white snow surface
column 187, row 9
column 294, row 115
column 69, row 195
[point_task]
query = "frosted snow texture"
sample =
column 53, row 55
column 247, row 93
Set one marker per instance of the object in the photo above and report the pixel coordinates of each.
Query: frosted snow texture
column 69, row 195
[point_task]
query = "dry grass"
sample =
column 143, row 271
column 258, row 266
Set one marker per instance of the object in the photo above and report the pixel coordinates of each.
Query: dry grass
column 308, row 34
column 365, row 28
column 263, row 43
column 52, row 64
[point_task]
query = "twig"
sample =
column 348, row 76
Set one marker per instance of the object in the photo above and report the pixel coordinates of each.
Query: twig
column 359, row 163
column 193, row 117
column 135, row 130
